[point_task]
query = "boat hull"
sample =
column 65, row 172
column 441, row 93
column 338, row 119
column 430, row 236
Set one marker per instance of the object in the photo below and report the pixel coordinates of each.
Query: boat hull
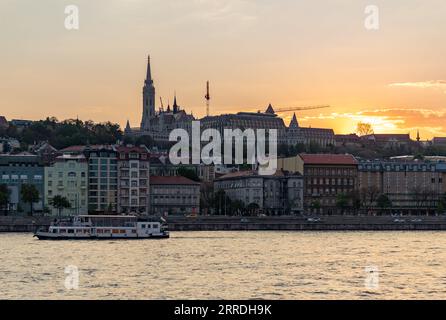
column 48, row 236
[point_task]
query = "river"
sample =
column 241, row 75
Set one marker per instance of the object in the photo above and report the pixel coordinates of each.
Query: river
column 228, row 265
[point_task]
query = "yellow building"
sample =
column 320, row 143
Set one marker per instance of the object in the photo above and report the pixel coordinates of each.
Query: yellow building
column 68, row 177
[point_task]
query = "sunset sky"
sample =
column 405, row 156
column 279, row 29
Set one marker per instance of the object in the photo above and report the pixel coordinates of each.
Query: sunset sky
column 253, row 52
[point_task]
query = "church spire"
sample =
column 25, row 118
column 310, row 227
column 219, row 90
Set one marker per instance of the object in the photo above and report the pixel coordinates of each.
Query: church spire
column 175, row 106
column 149, row 72
column 270, row 109
column 148, row 99
column 294, row 124
column 128, row 129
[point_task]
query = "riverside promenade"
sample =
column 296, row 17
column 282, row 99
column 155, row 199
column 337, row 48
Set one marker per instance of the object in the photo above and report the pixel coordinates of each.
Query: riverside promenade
column 229, row 223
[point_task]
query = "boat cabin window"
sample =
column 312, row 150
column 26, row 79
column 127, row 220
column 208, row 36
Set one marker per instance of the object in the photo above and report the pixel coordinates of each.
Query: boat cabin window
column 70, row 230
column 54, row 230
column 143, row 226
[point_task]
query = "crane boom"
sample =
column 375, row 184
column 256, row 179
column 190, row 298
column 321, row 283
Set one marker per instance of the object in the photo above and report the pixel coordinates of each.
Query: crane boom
column 208, row 98
column 301, row 108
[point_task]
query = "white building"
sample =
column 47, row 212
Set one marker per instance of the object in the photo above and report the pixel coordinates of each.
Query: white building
column 278, row 194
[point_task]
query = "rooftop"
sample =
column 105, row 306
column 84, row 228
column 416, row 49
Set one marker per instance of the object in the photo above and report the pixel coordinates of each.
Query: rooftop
column 65, row 157
column 253, row 173
column 172, row 180
column 328, row 159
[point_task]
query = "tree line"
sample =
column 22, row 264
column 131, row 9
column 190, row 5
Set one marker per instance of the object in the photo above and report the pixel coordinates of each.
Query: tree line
column 62, row 134
column 30, row 195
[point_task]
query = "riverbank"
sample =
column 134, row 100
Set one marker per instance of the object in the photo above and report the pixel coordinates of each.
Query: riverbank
column 222, row 223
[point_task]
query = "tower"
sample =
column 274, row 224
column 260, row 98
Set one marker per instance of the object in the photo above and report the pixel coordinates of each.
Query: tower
column 128, row 129
column 175, row 106
column 294, row 124
column 148, row 99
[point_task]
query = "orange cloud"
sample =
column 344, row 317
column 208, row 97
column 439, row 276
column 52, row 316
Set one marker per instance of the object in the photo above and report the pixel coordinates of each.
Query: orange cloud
column 436, row 84
column 429, row 122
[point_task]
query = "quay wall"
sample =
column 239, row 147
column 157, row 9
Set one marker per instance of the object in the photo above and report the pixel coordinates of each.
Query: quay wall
column 217, row 223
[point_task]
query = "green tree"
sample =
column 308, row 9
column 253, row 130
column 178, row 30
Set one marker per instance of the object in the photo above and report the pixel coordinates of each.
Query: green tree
column 342, row 201
column 383, row 202
column 237, row 207
column 441, row 207
column 188, row 173
column 60, row 203
column 29, row 194
column 4, row 197
column 316, row 204
column 253, row 208
column 221, row 202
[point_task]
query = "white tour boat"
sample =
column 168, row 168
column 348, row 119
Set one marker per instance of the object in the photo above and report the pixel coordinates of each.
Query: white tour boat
column 104, row 227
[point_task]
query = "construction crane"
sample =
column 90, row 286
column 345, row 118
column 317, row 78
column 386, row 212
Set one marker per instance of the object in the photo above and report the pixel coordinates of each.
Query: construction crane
column 208, row 98
column 301, row 108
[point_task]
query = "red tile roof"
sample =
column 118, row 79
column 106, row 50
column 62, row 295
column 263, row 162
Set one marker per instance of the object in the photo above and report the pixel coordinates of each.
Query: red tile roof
column 250, row 173
column 73, row 149
column 237, row 174
column 140, row 149
column 328, row 159
column 180, row 180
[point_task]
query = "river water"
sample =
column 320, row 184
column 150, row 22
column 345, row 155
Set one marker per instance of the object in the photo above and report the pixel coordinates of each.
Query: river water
column 228, row 265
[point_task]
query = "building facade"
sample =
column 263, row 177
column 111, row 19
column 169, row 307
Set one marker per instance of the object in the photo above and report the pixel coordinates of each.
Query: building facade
column 174, row 195
column 133, row 179
column 103, row 179
column 68, row 177
column 327, row 178
column 413, row 187
column 267, row 120
column 278, row 194
column 17, row 170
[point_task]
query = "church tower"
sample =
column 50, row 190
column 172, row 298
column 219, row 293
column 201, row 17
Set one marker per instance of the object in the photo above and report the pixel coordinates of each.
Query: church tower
column 148, row 99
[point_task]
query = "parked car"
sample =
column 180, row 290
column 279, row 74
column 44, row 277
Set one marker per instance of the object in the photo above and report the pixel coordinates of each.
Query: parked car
column 399, row 220
column 416, row 220
column 314, row 219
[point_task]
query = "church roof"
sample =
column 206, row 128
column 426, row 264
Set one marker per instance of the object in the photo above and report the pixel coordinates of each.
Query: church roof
column 270, row 109
column 294, row 124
